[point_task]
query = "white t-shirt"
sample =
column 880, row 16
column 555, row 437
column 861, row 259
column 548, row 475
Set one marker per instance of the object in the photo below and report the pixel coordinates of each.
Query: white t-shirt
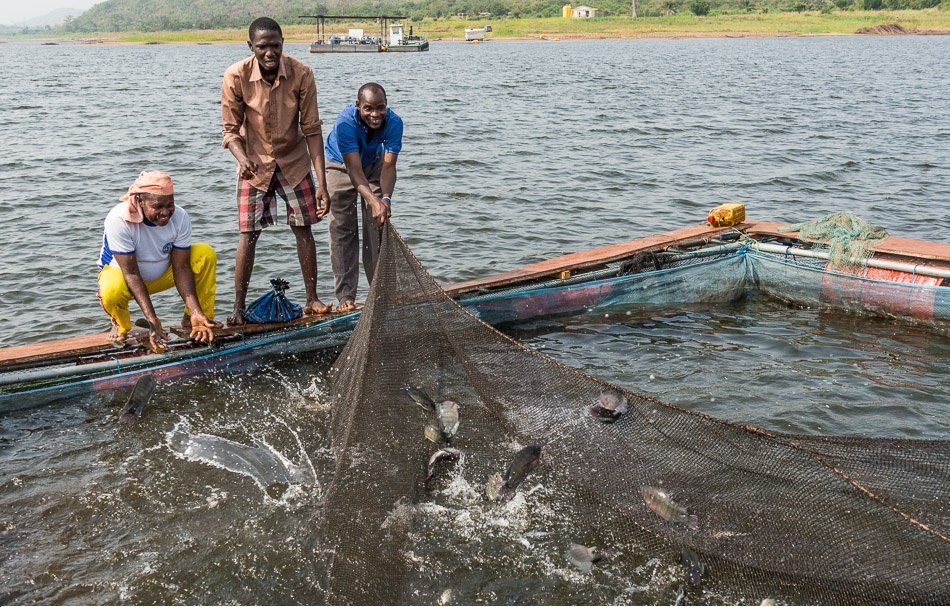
column 151, row 244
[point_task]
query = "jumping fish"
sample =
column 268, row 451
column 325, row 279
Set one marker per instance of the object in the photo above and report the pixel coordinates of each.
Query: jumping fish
column 141, row 394
column 494, row 485
column 146, row 324
column 421, row 398
column 445, row 453
column 433, row 434
column 447, row 414
column 663, row 505
column 504, row 486
column 582, row 557
column 521, row 466
column 611, row 404
column 446, row 423
column 695, row 568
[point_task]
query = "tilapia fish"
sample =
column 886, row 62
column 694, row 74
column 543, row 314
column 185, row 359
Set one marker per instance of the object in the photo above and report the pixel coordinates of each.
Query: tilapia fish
column 141, row 394
column 663, row 505
column 421, row 398
column 611, row 404
column 582, row 557
column 446, row 423
column 504, row 486
column 445, row 453
column 447, row 415
column 434, row 434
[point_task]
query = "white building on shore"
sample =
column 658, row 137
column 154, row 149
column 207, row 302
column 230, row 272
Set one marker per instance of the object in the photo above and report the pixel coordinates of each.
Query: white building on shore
column 583, row 12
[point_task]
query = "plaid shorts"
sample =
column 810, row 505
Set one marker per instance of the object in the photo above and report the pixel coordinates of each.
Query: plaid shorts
column 257, row 209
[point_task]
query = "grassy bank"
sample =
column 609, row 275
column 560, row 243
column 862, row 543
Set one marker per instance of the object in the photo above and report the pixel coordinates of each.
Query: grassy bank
column 680, row 25
column 685, row 24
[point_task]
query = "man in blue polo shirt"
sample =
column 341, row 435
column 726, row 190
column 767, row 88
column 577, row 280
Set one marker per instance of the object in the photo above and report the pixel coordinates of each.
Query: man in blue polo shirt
column 361, row 154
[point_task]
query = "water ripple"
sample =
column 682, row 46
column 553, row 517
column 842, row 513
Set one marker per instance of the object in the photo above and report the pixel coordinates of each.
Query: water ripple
column 510, row 148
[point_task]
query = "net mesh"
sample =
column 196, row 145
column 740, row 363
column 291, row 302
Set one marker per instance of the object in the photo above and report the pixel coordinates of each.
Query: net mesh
column 719, row 279
column 850, row 239
column 807, row 282
column 802, row 519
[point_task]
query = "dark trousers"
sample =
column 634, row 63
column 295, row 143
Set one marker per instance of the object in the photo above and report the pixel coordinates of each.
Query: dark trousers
column 343, row 225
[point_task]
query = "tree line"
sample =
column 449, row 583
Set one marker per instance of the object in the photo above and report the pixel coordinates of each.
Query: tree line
column 174, row 15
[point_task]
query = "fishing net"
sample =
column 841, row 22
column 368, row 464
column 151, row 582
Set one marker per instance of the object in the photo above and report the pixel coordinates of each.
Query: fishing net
column 682, row 506
column 808, row 282
column 850, row 239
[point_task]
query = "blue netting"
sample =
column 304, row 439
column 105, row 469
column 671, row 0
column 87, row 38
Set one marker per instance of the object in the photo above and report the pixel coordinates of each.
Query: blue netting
column 721, row 279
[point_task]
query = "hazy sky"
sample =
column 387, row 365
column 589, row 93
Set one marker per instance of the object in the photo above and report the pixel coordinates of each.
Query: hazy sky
column 18, row 11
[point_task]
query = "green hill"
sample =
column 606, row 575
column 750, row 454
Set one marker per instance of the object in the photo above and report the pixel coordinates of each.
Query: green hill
column 169, row 15
column 175, row 15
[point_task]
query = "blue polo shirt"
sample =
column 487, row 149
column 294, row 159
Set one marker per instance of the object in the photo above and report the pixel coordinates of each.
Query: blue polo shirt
column 349, row 134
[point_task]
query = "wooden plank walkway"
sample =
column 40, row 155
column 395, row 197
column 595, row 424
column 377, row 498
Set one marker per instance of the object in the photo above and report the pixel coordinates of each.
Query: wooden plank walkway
column 585, row 259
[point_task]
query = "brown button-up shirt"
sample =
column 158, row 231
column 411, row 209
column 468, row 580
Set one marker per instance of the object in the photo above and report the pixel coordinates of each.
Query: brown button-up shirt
column 272, row 121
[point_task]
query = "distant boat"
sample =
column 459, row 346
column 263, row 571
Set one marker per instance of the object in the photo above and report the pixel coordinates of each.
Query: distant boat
column 391, row 38
column 476, row 34
column 355, row 41
column 398, row 42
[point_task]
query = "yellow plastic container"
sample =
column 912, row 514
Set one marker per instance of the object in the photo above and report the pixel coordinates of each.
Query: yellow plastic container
column 728, row 214
column 567, row 11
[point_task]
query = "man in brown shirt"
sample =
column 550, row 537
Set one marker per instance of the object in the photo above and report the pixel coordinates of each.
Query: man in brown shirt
column 272, row 127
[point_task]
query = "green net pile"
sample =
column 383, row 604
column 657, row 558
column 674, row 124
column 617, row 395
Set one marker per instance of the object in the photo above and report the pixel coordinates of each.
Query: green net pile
column 850, row 239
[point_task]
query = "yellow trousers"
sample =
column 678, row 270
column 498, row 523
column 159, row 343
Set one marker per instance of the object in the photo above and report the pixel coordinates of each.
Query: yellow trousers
column 115, row 294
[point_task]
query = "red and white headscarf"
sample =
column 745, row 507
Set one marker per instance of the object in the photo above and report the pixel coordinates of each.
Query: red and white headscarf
column 148, row 182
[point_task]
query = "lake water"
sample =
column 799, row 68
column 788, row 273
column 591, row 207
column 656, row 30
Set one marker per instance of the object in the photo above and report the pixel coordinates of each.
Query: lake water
column 514, row 152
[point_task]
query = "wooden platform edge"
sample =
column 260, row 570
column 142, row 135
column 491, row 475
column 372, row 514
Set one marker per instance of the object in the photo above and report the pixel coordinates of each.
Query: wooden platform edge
column 87, row 345
column 892, row 245
column 72, row 347
column 584, row 259
column 45, row 350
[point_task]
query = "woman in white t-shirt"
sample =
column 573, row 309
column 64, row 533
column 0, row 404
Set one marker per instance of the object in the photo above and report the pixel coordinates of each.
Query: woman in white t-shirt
column 147, row 248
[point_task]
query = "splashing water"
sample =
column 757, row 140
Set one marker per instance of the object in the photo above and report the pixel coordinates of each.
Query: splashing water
column 271, row 470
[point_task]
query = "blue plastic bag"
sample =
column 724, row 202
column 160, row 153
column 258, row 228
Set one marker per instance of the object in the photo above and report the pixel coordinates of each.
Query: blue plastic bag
column 273, row 306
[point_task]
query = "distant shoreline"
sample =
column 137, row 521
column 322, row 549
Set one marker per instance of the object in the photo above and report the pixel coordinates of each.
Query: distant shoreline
column 744, row 25
column 540, row 38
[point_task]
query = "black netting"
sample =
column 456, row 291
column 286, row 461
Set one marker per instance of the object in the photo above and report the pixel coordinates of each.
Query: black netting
column 802, row 519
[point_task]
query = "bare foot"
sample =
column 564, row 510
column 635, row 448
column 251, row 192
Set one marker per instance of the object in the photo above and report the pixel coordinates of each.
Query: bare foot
column 119, row 340
column 236, row 319
column 317, row 308
column 347, row 306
